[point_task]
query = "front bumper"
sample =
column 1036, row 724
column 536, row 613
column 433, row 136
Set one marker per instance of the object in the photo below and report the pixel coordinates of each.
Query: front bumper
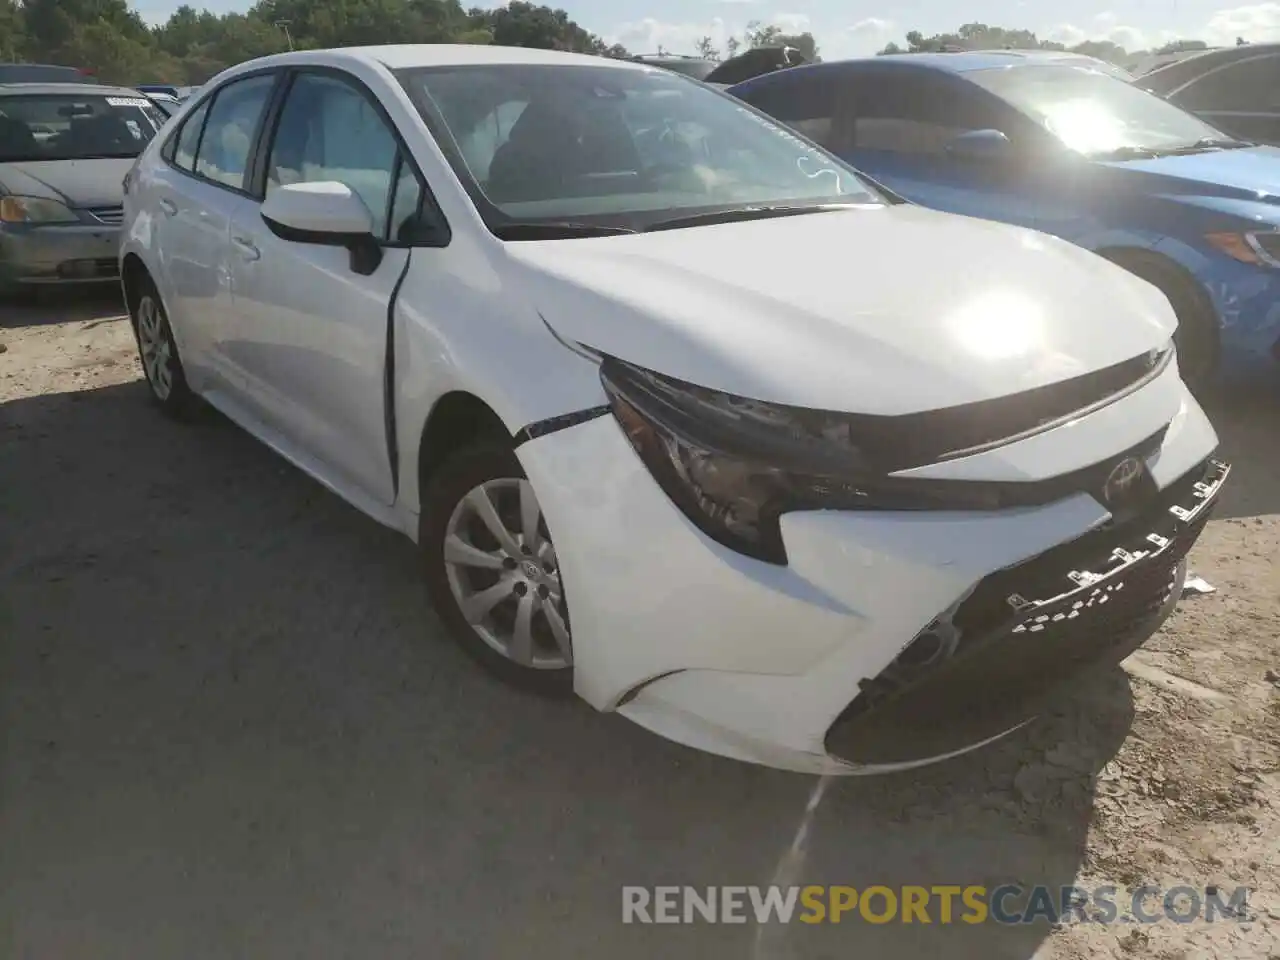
column 74, row 253
column 766, row 663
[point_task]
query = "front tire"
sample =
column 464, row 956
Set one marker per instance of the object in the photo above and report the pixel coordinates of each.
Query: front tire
column 158, row 352
column 492, row 571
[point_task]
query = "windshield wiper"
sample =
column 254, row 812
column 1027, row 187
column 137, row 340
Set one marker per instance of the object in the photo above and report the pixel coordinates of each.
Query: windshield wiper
column 553, row 230
column 1203, row 145
column 1213, row 143
column 738, row 214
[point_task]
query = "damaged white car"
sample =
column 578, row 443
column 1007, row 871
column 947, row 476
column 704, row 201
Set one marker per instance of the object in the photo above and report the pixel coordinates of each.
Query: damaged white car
column 686, row 416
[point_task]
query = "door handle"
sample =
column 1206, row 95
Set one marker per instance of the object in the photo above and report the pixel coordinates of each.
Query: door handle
column 169, row 208
column 248, row 249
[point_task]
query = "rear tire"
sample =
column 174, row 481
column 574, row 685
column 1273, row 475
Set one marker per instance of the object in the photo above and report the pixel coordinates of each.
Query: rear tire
column 492, row 572
column 1197, row 335
column 158, row 352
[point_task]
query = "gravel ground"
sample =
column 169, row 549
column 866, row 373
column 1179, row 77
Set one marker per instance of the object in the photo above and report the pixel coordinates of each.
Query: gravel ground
column 230, row 727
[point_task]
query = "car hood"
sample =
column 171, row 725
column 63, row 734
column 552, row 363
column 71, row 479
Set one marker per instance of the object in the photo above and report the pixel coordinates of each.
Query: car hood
column 873, row 310
column 1251, row 173
column 77, row 183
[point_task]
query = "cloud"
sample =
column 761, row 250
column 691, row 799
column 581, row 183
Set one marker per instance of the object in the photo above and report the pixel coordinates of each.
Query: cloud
column 1256, row 23
column 647, row 35
column 864, row 37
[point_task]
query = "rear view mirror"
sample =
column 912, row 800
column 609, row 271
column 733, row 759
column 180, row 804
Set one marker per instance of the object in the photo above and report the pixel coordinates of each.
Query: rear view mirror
column 979, row 145
column 328, row 213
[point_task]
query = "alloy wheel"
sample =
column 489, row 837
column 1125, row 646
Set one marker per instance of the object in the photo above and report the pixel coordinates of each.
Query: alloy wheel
column 502, row 570
column 155, row 348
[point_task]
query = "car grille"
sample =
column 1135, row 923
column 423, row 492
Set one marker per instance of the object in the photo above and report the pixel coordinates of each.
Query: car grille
column 983, row 668
column 111, row 216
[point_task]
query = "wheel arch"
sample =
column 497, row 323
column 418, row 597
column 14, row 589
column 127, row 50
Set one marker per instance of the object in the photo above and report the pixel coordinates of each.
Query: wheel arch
column 1187, row 295
column 457, row 419
column 133, row 273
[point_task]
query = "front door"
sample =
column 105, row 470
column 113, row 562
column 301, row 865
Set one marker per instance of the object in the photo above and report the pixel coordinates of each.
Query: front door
column 312, row 333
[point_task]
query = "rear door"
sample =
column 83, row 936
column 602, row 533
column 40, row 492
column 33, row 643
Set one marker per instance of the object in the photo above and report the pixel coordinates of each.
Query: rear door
column 312, row 333
column 194, row 196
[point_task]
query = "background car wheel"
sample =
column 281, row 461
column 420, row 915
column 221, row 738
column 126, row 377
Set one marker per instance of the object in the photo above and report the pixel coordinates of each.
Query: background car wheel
column 492, row 571
column 159, row 355
column 1197, row 334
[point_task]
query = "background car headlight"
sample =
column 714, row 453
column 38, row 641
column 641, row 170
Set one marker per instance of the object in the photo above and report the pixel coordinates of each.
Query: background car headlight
column 735, row 465
column 35, row 210
column 1261, row 248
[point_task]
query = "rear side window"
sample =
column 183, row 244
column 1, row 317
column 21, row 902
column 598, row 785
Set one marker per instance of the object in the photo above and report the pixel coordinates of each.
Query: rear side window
column 230, row 129
column 188, row 139
column 1251, row 86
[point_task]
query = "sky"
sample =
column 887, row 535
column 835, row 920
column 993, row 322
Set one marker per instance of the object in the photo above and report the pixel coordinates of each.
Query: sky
column 854, row 27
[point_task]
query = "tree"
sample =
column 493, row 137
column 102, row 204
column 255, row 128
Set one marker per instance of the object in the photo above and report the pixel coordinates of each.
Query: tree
column 706, row 49
column 108, row 37
column 980, row 36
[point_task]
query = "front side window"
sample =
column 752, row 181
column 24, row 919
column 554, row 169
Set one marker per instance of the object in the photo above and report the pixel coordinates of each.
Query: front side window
column 615, row 146
column 1093, row 113
column 230, row 129
column 329, row 131
column 915, row 113
column 75, row 126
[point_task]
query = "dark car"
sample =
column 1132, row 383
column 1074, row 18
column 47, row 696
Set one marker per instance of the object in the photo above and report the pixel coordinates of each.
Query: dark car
column 43, row 73
column 695, row 67
column 1073, row 151
column 64, row 152
column 1237, row 89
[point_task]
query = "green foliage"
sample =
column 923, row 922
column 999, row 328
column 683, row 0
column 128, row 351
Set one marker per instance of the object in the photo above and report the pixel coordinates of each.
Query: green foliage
column 758, row 34
column 109, row 38
column 980, row 36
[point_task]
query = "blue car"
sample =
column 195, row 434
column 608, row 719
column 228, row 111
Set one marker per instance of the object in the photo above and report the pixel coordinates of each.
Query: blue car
column 1072, row 151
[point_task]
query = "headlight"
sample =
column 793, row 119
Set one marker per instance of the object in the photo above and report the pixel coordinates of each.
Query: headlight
column 734, row 465
column 35, row 210
column 1261, row 248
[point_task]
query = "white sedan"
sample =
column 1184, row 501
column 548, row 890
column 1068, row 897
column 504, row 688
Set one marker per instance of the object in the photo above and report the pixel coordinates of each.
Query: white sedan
column 685, row 416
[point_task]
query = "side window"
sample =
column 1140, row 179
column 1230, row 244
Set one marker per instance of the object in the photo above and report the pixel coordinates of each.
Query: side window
column 229, row 131
column 916, row 115
column 1249, row 86
column 188, row 138
column 330, row 131
column 406, row 204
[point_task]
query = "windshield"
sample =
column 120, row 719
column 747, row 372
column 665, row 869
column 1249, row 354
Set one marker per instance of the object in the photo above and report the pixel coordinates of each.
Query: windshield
column 1094, row 113
column 68, row 127
column 611, row 146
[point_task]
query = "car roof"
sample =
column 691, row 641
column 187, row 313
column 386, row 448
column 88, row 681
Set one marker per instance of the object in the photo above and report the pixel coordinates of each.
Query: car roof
column 402, row 56
column 84, row 89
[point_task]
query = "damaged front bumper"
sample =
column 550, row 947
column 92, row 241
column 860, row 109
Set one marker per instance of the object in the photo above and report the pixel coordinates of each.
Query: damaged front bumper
column 983, row 668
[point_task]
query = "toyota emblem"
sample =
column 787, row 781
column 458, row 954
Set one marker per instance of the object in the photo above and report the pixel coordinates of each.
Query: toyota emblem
column 1121, row 480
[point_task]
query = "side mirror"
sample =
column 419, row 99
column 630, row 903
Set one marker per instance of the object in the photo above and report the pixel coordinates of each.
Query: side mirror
column 328, row 213
column 980, row 145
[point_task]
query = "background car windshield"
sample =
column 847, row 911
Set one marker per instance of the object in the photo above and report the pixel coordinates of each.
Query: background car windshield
column 1094, row 113
column 65, row 127
column 615, row 146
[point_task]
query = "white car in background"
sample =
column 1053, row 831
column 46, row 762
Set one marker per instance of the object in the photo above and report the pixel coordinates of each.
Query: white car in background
column 684, row 416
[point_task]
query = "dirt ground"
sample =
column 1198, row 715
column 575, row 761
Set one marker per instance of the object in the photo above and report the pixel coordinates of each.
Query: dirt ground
column 229, row 726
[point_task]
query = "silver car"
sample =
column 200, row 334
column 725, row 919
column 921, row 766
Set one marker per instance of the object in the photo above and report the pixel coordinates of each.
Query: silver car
column 64, row 151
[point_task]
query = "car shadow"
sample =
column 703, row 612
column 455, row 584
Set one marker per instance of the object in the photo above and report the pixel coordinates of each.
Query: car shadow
column 232, row 727
column 49, row 307
column 1245, row 415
